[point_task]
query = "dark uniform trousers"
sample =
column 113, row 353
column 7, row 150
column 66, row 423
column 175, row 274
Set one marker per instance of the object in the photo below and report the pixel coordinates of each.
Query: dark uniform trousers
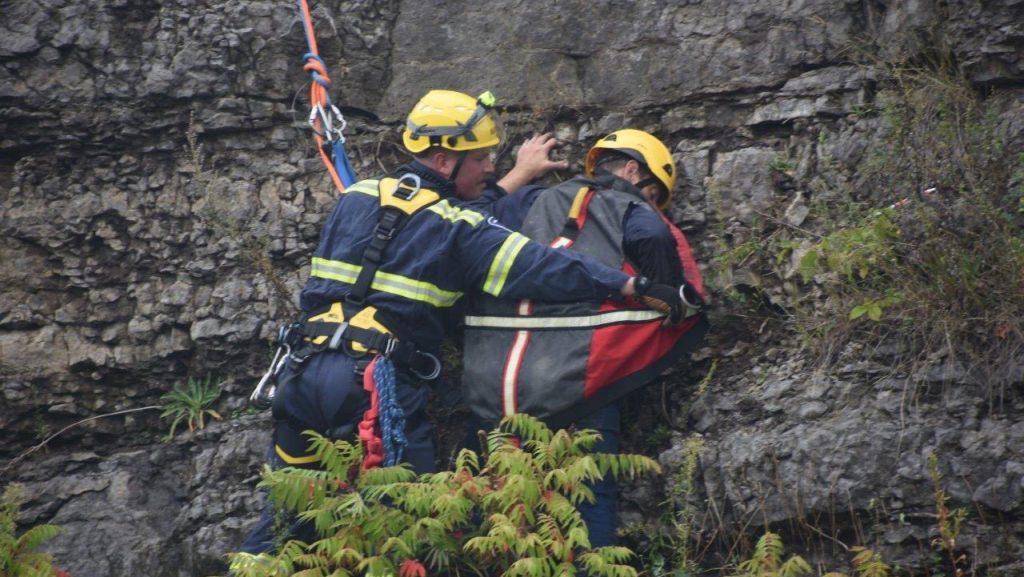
column 328, row 392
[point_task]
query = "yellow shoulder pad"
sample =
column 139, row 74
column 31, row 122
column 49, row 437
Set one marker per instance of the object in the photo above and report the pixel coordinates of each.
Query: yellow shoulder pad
column 421, row 197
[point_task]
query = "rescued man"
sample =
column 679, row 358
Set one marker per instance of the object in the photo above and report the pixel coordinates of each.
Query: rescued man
column 571, row 363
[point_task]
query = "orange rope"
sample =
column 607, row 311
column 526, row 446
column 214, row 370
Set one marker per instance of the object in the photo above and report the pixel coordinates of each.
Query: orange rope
column 318, row 93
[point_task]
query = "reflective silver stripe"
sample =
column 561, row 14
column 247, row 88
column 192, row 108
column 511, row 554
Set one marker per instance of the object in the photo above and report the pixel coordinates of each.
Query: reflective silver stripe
column 574, row 322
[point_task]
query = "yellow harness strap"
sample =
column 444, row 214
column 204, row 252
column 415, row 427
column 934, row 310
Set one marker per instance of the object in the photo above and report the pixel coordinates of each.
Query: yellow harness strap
column 364, row 319
column 577, row 202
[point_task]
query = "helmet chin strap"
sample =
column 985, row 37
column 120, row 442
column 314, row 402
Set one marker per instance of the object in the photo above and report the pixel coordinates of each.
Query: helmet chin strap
column 458, row 166
column 647, row 182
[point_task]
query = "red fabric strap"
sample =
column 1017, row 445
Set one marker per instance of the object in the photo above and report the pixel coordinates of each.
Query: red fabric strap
column 369, row 427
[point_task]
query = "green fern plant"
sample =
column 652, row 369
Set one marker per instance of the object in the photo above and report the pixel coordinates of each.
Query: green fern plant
column 510, row 511
column 767, row 560
column 867, row 563
column 190, row 404
column 18, row 554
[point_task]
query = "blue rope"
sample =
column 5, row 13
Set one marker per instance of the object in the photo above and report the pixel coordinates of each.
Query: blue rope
column 390, row 414
column 316, row 75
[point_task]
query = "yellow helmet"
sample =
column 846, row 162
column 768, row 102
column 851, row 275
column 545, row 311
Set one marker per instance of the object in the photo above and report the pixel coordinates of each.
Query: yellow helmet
column 452, row 120
column 645, row 149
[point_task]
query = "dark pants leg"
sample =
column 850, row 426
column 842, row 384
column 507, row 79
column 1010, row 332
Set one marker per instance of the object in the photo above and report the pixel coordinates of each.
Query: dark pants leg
column 600, row 516
column 325, row 395
column 275, row 527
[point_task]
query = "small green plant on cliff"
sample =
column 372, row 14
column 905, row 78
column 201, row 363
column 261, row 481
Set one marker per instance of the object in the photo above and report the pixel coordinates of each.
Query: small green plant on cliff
column 768, row 560
column 667, row 545
column 943, row 262
column 19, row 555
column 948, row 520
column 511, row 511
column 190, row 404
column 680, row 500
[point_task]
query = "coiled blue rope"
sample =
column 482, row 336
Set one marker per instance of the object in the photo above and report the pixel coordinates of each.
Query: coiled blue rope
column 389, row 412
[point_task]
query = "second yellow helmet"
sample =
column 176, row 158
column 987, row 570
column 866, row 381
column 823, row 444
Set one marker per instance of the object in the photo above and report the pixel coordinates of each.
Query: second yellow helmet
column 645, row 149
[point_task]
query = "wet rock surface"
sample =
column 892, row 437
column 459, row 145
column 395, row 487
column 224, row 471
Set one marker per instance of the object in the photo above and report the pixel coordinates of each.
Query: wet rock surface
column 132, row 260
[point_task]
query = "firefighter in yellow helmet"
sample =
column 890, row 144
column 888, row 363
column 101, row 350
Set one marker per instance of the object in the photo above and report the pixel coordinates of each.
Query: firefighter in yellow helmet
column 395, row 258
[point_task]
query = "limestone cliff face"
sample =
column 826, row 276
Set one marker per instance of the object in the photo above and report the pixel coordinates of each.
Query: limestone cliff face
column 131, row 260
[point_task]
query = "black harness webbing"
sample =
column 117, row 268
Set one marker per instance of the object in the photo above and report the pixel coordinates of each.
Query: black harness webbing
column 341, row 335
column 398, row 203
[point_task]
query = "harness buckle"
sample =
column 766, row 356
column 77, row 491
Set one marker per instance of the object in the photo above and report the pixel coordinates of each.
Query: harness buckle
column 335, row 341
column 415, row 186
column 383, row 232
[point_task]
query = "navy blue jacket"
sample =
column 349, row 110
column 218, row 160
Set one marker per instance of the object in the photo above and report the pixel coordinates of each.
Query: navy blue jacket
column 443, row 252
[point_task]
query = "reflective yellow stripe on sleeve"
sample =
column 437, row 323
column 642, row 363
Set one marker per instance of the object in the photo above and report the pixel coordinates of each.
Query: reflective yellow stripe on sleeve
column 399, row 285
column 502, row 263
column 453, row 214
column 367, row 187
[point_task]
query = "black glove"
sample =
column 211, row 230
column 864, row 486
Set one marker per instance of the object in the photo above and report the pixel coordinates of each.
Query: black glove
column 672, row 301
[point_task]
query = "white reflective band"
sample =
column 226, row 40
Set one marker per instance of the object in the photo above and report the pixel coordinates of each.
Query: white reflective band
column 514, row 363
column 574, row 322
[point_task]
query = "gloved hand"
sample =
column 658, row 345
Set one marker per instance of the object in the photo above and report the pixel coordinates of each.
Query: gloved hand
column 672, row 301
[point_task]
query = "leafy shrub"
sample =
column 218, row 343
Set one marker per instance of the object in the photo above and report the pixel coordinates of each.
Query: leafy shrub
column 18, row 554
column 943, row 264
column 508, row 512
column 926, row 250
column 191, row 404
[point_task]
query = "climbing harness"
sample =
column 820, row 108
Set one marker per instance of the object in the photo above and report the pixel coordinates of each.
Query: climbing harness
column 362, row 336
column 326, row 120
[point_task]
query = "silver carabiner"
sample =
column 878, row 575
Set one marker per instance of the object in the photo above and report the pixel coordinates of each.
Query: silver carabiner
column 434, row 373
column 263, row 395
